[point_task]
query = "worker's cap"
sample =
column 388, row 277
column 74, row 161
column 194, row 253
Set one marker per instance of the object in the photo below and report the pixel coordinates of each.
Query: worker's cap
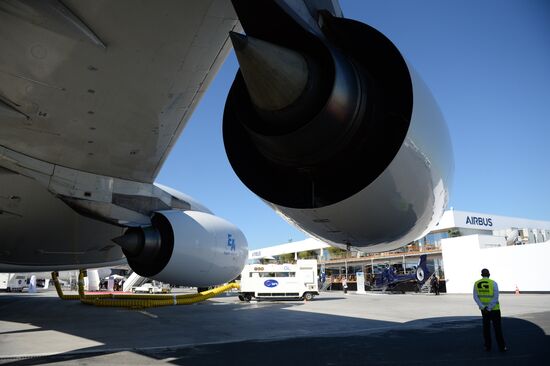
column 485, row 272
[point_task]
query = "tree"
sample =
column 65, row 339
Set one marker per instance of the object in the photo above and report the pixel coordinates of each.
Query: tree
column 335, row 252
column 286, row 258
column 308, row 254
column 453, row 233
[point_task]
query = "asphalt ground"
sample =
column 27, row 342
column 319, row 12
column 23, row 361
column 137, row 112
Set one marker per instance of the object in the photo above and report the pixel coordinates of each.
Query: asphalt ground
column 333, row 329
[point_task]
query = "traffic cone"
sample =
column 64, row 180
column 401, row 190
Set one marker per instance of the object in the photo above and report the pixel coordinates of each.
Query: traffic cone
column 517, row 290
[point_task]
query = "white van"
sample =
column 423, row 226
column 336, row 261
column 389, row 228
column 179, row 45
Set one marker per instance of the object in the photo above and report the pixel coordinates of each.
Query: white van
column 270, row 281
column 13, row 281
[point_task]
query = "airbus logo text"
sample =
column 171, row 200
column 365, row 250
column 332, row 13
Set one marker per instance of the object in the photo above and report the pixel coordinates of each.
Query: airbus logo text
column 479, row 221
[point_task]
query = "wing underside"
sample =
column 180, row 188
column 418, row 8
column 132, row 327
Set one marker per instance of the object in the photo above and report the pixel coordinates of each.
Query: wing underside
column 106, row 87
column 100, row 90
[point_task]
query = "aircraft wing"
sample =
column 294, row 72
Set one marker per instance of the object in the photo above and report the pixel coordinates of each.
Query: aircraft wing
column 326, row 121
column 106, row 87
column 93, row 95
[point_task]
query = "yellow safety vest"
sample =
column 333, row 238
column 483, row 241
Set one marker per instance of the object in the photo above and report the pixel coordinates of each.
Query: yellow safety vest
column 485, row 291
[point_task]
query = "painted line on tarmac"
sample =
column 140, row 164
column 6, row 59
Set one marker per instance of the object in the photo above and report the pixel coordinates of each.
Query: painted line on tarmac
column 146, row 313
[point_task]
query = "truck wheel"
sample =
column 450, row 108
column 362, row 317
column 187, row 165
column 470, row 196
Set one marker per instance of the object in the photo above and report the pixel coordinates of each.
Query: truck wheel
column 308, row 296
column 247, row 297
column 150, row 290
column 241, row 297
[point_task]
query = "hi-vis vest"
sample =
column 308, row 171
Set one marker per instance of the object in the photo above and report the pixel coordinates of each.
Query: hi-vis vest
column 485, row 291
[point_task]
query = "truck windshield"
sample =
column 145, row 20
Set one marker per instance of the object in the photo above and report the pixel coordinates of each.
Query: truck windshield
column 272, row 274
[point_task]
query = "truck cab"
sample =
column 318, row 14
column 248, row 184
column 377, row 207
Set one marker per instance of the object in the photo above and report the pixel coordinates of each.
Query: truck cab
column 278, row 281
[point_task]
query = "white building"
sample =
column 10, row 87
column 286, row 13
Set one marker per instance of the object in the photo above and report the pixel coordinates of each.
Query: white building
column 292, row 247
column 515, row 250
column 521, row 266
column 514, row 230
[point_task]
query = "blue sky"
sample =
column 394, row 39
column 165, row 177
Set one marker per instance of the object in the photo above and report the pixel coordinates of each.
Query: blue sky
column 488, row 66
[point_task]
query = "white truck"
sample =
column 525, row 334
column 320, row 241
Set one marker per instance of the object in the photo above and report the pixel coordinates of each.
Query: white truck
column 13, row 281
column 276, row 281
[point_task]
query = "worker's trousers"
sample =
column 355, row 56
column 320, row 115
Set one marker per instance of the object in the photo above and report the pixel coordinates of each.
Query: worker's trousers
column 494, row 317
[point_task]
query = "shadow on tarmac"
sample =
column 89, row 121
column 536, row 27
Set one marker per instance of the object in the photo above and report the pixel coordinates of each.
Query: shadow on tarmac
column 213, row 335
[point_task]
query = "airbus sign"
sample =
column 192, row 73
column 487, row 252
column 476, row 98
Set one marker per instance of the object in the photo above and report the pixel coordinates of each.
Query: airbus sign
column 484, row 221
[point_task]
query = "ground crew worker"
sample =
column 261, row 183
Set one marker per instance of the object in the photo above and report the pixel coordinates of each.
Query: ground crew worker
column 345, row 285
column 486, row 297
column 435, row 284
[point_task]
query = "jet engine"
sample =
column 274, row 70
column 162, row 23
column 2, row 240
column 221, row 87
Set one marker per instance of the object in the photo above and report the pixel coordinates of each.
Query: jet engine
column 332, row 127
column 189, row 248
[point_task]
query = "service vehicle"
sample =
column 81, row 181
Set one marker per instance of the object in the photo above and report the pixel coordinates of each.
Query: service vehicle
column 13, row 282
column 151, row 288
column 4, row 278
column 277, row 281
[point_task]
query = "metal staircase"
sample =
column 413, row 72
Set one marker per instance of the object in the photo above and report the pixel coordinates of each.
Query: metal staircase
column 427, row 287
column 325, row 286
column 133, row 280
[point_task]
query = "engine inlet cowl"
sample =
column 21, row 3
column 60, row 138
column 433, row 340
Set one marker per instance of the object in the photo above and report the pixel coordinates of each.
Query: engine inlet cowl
column 189, row 248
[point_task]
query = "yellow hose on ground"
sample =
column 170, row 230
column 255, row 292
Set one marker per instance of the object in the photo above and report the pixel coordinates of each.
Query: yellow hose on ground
column 55, row 279
column 144, row 301
column 136, row 301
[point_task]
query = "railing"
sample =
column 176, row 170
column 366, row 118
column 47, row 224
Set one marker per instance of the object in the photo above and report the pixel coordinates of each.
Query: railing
column 341, row 258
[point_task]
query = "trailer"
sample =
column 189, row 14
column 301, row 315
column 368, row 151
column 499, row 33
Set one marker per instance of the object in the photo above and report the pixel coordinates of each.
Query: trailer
column 279, row 281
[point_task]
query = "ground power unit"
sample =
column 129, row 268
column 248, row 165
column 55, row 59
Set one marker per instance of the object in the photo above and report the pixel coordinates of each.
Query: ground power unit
column 278, row 281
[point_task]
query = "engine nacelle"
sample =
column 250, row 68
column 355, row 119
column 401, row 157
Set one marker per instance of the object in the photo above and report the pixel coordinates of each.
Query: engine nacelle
column 362, row 157
column 189, row 248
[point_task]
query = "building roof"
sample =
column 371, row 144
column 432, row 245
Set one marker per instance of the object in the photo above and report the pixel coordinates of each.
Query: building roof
column 292, row 247
column 475, row 220
column 451, row 219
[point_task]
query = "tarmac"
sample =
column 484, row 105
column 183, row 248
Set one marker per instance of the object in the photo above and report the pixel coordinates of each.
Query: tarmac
column 333, row 329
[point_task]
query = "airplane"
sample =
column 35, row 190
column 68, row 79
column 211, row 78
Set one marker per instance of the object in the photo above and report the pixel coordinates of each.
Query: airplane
column 325, row 121
column 388, row 280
